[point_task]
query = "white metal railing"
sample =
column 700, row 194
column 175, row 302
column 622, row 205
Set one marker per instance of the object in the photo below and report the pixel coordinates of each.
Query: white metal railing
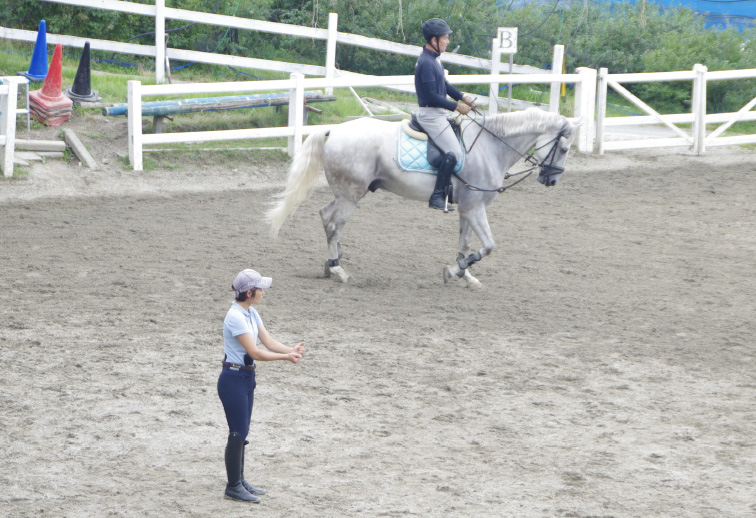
column 9, row 109
column 696, row 138
column 585, row 79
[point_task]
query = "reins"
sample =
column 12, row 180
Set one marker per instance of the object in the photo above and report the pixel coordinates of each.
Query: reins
column 528, row 158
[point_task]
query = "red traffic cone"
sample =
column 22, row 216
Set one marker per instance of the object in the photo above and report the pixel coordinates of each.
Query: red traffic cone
column 49, row 105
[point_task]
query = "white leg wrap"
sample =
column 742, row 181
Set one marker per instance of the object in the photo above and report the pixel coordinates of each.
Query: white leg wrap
column 339, row 272
column 472, row 282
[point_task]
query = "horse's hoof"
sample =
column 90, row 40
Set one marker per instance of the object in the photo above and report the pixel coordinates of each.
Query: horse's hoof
column 448, row 274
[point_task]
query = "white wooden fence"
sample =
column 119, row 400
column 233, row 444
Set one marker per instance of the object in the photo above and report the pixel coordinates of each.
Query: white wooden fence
column 8, row 107
column 696, row 138
column 331, row 35
column 585, row 79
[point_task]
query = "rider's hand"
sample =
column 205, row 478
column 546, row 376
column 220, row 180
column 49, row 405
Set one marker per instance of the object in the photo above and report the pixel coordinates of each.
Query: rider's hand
column 463, row 108
column 469, row 101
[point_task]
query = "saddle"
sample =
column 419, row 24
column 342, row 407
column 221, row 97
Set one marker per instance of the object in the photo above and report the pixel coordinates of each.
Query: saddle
column 414, row 153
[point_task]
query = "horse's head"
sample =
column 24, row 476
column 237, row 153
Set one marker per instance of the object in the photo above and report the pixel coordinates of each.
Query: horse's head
column 551, row 150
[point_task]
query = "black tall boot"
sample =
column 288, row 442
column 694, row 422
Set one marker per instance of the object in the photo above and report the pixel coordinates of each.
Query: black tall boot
column 443, row 178
column 250, row 488
column 234, row 489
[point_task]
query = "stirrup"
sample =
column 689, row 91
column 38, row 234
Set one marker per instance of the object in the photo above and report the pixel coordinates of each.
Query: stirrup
column 440, row 203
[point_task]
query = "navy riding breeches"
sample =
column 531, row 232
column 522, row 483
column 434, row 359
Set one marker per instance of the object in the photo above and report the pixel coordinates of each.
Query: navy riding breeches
column 236, row 389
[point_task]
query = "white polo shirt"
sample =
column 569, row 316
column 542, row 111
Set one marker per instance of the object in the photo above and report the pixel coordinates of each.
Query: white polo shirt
column 238, row 322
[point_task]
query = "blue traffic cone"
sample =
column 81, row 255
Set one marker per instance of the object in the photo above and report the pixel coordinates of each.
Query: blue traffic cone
column 38, row 68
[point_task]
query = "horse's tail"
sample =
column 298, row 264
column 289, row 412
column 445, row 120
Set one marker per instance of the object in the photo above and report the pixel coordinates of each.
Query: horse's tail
column 304, row 170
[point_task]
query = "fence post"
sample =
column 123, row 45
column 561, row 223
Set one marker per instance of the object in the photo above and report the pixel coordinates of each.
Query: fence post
column 557, row 65
column 134, row 99
column 296, row 113
column 585, row 105
column 8, row 105
column 160, row 50
column 698, row 107
column 493, row 89
column 601, row 88
column 330, row 64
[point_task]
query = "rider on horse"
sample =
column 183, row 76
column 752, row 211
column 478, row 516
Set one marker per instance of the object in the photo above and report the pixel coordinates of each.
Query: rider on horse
column 432, row 89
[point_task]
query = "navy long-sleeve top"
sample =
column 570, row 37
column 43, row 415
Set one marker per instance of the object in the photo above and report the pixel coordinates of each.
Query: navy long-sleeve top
column 431, row 85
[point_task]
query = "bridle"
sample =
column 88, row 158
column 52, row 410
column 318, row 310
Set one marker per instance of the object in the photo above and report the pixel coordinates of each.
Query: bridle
column 547, row 169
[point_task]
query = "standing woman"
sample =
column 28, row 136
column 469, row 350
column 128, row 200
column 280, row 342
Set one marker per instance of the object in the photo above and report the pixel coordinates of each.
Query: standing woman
column 242, row 329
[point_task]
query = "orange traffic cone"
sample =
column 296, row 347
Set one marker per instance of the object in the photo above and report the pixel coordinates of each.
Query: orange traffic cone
column 49, row 105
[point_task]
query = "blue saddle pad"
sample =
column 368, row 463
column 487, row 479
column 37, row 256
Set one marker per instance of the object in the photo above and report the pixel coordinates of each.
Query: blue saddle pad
column 413, row 155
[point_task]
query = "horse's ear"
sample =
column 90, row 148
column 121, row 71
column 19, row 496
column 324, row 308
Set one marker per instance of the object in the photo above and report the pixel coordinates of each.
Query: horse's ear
column 571, row 126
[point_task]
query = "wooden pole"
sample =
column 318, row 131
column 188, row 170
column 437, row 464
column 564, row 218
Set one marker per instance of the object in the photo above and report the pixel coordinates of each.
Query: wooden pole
column 557, row 65
column 493, row 89
column 160, row 41
column 135, row 124
column 601, row 107
column 330, row 64
column 8, row 104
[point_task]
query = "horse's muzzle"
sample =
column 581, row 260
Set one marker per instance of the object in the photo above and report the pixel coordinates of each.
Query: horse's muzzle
column 550, row 175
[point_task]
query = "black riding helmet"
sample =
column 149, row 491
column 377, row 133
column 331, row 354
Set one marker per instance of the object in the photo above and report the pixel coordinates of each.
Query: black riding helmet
column 435, row 27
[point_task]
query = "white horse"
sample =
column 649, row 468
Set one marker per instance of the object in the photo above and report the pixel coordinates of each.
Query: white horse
column 361, row 156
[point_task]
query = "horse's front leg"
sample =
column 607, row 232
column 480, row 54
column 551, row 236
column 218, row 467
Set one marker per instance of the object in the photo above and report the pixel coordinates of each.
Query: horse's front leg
column 474, row 220
column 465, row 233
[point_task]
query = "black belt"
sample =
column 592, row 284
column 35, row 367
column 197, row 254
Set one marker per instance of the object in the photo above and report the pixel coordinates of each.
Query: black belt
column 237, row 366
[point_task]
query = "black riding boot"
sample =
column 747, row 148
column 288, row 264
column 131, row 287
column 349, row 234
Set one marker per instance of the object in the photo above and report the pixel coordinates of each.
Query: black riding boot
column 443, row 178
column 250, row 488
column 234, row 489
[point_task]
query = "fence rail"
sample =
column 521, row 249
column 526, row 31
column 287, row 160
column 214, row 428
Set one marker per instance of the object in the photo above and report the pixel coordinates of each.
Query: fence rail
column 296, row 85
column 162, row 53
column 696, row 138
column 590, row 105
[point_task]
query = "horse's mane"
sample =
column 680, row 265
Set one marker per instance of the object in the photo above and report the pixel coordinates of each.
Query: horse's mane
column 526, row 121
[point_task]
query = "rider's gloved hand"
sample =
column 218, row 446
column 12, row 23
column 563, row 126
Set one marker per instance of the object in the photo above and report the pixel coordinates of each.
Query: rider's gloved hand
column 463, row 108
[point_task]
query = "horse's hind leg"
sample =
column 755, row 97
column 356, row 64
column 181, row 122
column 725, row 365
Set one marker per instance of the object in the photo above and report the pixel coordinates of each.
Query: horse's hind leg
column 335, row 215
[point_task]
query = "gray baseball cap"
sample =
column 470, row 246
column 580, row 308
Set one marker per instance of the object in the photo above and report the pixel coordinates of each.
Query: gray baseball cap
column 249, row 279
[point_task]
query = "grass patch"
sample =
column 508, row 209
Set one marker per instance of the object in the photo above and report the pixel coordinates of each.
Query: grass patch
column 95, row 134
column 20, row 172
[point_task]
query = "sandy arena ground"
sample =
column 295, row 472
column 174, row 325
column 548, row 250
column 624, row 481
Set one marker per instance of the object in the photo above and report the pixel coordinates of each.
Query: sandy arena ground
column 606, row 369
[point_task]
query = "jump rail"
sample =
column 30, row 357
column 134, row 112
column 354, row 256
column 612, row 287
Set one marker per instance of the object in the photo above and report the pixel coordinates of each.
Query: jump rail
column 585, row 80
column 696, row 139
column 160, row 109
